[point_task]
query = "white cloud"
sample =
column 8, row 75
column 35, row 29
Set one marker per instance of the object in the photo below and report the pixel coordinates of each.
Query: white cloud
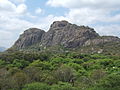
column 11, row 24
column 84, row 3
column 30, row 15
column 108, row 30
column 10, row 29
column 83, row 16
column 38, row 11
column 17, row 1
column 5, row 5
column 6, row 38
column 9, row 9
column 21, row 9
column 91, row 13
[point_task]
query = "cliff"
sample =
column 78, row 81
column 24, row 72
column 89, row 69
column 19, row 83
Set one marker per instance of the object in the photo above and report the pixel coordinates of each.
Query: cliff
column 62, row 33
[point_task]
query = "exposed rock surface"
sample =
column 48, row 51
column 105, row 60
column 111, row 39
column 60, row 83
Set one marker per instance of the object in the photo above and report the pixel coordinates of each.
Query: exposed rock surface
column 28, row 38
column 62, row 33
column 67, row 34
column 102, row 40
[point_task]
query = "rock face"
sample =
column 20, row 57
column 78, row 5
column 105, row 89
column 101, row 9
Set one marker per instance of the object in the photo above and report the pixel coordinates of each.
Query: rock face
column 102, row 40
column 28, row 38
column 62, row 33
column 68, row 35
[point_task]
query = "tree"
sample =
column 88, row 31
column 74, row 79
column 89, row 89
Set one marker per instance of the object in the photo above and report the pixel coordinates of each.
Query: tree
column 41, row 64
column 111, row 81
column 65, row 74
column 20, row 63
column 34, row 73
column 98, row 75
column 20, row 79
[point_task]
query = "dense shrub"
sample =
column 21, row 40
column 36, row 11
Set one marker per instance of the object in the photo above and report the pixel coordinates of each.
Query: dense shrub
column 59, row 71
column 36, row 86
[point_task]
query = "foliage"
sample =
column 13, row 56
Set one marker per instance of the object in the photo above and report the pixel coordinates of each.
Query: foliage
column 62, row 86
column 65, row 74
column 59, row 71
column 36, row 86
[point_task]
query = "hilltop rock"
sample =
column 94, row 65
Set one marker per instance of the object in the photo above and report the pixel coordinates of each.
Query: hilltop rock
column 64, row 34
column 68, row 35
column 28, row 38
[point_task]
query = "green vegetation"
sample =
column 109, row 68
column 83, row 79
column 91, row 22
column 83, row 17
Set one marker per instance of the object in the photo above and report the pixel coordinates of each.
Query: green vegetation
column 66, row 71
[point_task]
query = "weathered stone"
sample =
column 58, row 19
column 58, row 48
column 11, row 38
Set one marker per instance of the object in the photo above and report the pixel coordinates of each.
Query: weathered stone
column 102, row 40
column 68, row 35
column 28, row 38
column 62, row 33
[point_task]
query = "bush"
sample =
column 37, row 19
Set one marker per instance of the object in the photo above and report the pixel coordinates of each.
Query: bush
column 75, row 66
column 20, row 63
column 112, row 81
column 20, row 79
column 36, row 86
column 63, row 86
column 65, row 74
column 41, row 64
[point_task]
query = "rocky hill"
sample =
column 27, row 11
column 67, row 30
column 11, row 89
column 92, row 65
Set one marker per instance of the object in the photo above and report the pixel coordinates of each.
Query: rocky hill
column 62, row 33
column 28, row 38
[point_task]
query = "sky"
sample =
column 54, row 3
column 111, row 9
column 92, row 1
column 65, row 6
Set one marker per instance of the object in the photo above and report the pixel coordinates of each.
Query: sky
column 18, row 15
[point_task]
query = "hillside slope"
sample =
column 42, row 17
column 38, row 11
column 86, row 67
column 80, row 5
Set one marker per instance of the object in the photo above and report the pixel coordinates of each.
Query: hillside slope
column 66, row 35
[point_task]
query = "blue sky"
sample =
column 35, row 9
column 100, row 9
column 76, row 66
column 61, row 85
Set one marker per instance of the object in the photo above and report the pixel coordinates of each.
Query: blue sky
column 18, row 15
